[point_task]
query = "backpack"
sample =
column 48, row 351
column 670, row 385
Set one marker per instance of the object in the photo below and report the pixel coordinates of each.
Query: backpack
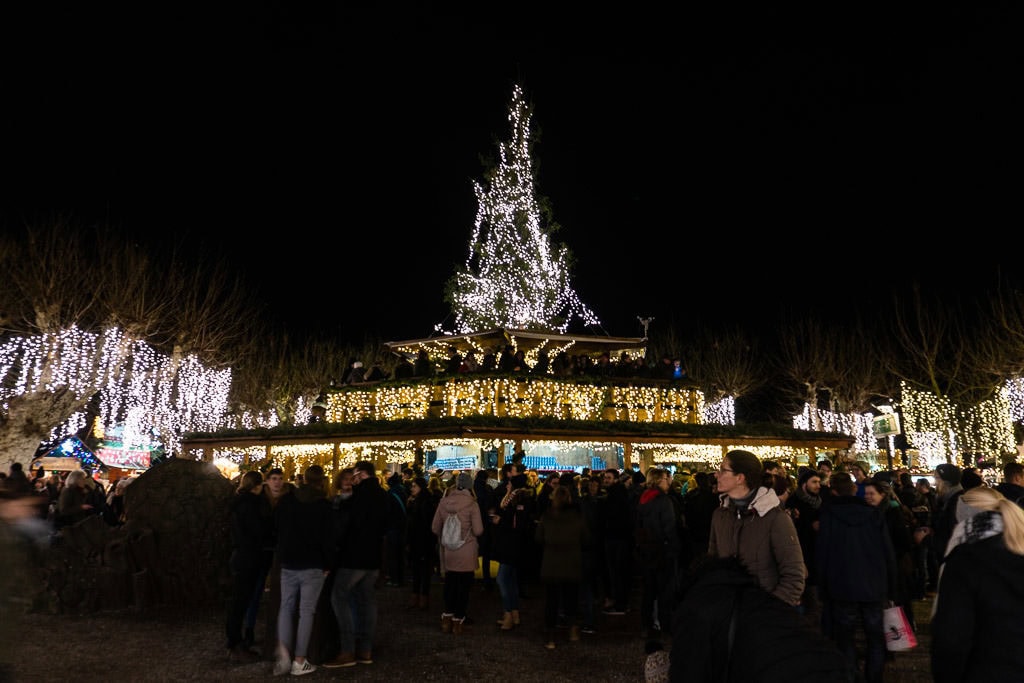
column 451, row 533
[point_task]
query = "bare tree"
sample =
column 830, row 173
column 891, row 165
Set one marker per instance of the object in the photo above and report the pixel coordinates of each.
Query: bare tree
column 942, row 347
column 726, row 362
column 861, row 373
column 49, row 277
column 187, row 301
column 809, row 357
column 277, row 374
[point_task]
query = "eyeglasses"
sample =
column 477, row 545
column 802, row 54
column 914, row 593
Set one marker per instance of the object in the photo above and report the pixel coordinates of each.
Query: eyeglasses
column 723, row 470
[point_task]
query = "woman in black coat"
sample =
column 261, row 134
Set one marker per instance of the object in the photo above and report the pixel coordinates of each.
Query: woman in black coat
column 976, row 624
column 420, row 539
column 245, row 562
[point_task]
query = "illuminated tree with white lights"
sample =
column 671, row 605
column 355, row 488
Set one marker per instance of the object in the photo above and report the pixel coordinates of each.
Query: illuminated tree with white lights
column 514, row 276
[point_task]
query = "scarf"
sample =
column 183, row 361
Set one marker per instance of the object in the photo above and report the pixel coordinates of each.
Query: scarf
column 813, row 501
column 985, row 524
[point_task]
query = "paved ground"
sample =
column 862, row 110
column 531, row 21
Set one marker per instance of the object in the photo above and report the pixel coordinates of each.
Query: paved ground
column 187, row 646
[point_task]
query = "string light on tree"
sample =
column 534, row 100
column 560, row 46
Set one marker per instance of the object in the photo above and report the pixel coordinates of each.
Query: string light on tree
column 514, row 277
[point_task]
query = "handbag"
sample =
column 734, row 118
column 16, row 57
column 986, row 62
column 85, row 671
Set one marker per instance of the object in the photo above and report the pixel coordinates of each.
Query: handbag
column 898, row 634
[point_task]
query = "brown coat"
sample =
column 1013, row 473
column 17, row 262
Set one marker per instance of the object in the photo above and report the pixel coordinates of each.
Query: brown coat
column 765, row 542
column 461, row 502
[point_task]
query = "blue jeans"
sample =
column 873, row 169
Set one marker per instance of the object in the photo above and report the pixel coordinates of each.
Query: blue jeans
column 508, row 586
column 253, row 609
column 299, row 587
column 845, row 617
column 354, row 599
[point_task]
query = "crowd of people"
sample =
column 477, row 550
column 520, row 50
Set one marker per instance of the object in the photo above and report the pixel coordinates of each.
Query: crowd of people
column 800, row 562
column 733, row 566
column 63, row 498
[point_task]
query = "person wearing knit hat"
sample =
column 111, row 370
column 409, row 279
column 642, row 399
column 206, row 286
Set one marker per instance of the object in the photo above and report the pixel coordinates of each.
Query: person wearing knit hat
column 804, row 507
column 465, row 481
column 949, row 473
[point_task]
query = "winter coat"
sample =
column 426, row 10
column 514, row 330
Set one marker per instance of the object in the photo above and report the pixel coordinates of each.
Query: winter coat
column 419, row 517
column 807, row 512
column 304, row 530
column 771, row 642
column 512, row 538
column 657, row 540
column 246, row 532
column 764, row 539
column 561, row 535
column 1014, row 492
column 699, row 505
column 977, row 627
column 462, row 503
column 365, row 520
column 69, row 506
column 619, row 510
column 856, row 562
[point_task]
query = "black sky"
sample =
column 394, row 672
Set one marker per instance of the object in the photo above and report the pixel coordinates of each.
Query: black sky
column 706, row 165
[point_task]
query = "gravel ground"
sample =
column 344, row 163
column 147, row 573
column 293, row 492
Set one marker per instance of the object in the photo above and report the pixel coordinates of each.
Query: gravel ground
column 174, row 645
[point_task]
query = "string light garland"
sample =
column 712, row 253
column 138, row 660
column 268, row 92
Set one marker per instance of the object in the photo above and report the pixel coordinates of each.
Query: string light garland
column 528, row 397
column 151, row 397
column 513, row 276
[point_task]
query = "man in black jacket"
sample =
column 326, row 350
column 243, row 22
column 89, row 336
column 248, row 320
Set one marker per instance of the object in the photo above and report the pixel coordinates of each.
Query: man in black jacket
column 359, row 546
column 618, row 540
column 1013, row 482
column 856, row 574
column 949, row 490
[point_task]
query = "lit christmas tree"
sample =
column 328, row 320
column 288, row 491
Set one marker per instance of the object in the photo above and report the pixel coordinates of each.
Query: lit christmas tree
column 514, row 276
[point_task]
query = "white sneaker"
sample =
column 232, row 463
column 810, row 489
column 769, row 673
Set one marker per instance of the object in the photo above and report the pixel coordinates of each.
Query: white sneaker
column 282, row 665
column 302, row 669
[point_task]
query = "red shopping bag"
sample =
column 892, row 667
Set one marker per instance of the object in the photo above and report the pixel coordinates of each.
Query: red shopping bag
column 898, row 634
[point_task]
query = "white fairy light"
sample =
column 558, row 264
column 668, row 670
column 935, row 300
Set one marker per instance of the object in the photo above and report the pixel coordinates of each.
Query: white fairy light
column 513, row 276
column 142, row 391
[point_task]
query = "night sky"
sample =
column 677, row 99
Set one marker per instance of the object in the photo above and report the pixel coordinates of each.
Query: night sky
column 705, row 166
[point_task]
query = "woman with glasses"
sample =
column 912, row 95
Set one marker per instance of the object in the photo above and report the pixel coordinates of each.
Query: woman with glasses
column 752, row 526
